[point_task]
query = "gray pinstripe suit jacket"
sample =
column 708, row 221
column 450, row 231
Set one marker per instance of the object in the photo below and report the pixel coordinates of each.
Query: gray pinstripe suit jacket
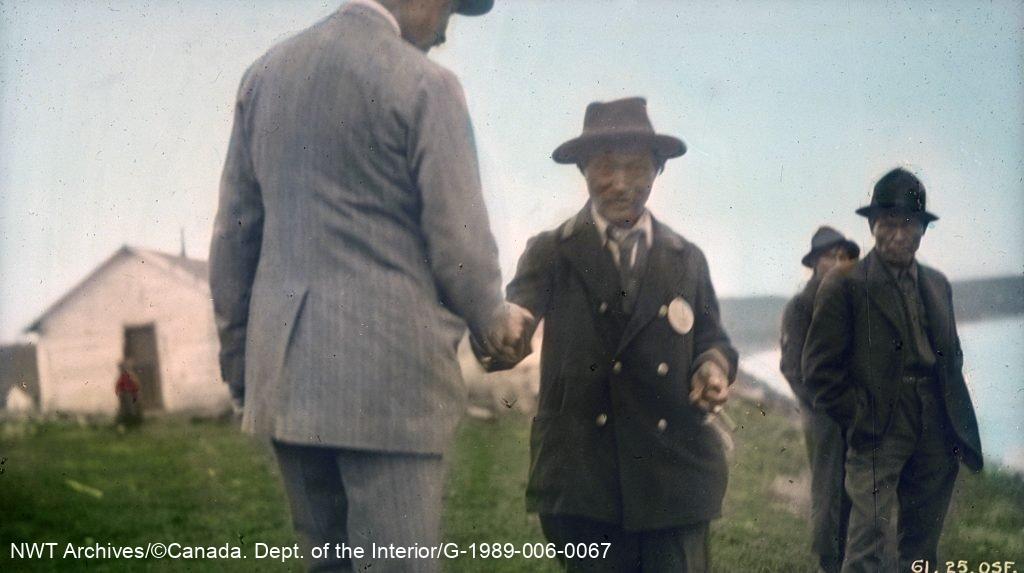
column 351, row 245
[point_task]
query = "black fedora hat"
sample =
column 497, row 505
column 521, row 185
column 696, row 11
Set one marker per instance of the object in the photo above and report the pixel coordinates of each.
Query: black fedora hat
column 473, row 7
column 619, row 122
column 824, row 239
column 898, row 190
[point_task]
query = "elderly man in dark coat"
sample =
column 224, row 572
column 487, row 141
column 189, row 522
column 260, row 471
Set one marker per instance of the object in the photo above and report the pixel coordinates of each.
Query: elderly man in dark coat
column 634, row 358
column 883, row 358
column 826, row 445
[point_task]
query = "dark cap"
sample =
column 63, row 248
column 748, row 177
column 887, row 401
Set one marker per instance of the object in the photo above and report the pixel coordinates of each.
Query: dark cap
column 824, row 239
column 473, row 7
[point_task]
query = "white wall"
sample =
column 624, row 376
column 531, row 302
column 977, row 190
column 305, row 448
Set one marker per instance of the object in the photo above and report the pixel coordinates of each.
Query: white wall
column 18, row 401
column 81, row 343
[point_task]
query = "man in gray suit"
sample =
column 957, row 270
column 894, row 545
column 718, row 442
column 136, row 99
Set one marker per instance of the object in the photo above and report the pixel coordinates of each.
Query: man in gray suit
column 351, row 249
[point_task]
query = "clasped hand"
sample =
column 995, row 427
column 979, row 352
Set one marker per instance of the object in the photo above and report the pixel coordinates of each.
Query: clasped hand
column 507, row 339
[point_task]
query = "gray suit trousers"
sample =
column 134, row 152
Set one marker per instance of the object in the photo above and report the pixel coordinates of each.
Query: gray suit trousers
column 361, row 499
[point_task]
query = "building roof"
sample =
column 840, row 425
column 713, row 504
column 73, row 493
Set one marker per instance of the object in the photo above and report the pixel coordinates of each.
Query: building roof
column 198, row 269
column 195, row 270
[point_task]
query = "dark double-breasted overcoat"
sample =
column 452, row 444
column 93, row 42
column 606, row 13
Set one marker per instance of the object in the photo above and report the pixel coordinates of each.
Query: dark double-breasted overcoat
column 615, row 438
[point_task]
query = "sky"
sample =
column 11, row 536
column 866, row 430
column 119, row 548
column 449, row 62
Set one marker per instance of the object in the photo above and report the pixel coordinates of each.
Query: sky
column 114, row 120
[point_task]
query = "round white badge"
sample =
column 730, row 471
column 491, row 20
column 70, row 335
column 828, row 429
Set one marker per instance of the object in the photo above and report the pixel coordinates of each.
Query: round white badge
column 680, row 315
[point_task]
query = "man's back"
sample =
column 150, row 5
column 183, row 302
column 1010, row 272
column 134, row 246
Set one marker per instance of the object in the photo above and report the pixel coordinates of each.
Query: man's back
column 796, row 319
column 362, row 158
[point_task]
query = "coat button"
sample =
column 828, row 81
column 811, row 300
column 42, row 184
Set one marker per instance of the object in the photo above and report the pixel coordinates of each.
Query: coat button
column 617, row 367
column 601, row 420
column 662, row 369
column 662, row 425
column 663, row 311
column 602, row 308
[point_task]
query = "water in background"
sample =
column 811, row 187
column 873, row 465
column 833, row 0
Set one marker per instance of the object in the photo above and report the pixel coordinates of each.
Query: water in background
column 994, row 368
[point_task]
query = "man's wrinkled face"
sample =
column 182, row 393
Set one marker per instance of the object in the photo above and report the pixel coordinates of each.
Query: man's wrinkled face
column 830, row 259
column 619, row 182
column 897, row 237
column 426, row 22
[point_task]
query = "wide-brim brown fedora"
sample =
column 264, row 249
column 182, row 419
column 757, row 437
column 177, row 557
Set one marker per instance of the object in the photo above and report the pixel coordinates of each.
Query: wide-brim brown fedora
column 901, row 191
column 474, row 7
column 617, row 123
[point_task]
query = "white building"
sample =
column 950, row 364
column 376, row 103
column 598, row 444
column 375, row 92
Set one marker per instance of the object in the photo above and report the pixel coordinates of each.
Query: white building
column 152, row 307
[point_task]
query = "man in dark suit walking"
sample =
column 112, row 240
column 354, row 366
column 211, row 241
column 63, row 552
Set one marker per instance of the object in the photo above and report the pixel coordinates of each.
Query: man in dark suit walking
column 351, row 250
column 634, row 358
column 826, row 444
column 883, row 358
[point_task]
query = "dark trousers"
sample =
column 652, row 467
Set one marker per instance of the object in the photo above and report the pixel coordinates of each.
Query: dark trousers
column 362, row 498
column 830, row 505
column 683, row 549
column 129, row 411
column 908, row 475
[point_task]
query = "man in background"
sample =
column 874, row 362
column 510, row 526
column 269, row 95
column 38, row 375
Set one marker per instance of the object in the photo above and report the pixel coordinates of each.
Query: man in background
column 826, row 445
column 351, row 249
column 883, row 358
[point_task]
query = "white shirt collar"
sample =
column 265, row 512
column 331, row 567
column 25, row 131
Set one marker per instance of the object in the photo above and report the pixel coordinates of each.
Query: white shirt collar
column 644, row 224
column 376, row 7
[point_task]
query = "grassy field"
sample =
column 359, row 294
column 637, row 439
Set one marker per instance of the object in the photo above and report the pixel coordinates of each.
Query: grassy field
column 202, row 483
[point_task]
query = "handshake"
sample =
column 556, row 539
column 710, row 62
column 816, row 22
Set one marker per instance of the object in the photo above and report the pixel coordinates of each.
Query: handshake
column 506, row 340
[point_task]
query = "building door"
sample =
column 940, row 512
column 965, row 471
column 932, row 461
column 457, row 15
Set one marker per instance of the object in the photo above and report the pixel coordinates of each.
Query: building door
column 140, row 348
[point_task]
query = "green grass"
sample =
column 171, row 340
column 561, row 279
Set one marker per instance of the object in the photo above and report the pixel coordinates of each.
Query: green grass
column 202, row 483
column 488, row 478
column 172, row 480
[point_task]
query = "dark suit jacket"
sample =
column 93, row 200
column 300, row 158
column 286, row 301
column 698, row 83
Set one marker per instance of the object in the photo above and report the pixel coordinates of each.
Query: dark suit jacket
column 621, row 444
column 796, row 319
column 853, row 359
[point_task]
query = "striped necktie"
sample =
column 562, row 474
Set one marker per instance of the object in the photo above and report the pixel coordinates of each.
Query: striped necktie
column 632, row 253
